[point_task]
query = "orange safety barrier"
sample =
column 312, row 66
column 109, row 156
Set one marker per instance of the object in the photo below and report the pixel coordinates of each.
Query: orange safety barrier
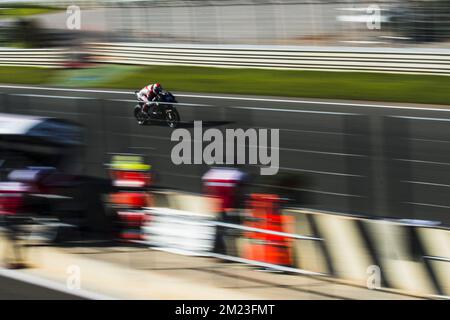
column 130, row 222
column 130, row 199
column 265, row 213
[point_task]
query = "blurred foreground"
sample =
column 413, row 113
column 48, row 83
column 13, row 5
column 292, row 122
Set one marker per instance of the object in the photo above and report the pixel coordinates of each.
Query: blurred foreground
column 361, row 193
column 240, row 218
column 126, row 272
column 287, row 22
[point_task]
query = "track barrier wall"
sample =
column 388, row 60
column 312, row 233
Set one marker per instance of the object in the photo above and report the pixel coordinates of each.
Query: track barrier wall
column 411, row 258
column 385, row 60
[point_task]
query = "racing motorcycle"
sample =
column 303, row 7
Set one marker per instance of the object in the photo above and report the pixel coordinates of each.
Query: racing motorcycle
column 164, row 110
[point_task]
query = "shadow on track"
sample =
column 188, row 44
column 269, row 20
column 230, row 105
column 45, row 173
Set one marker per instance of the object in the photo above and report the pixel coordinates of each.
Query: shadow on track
column 189, row 124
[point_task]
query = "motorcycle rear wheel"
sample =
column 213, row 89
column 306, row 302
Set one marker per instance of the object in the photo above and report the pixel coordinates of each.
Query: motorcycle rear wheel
column 141, row 118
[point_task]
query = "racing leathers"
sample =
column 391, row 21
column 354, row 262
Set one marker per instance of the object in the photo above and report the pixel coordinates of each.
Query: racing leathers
column 148, row 94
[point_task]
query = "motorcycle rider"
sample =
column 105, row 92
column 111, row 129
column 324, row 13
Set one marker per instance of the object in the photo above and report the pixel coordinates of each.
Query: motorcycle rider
column 148, row 94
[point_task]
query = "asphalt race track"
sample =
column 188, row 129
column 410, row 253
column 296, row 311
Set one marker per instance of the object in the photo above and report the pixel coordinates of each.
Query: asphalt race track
column 384, row 160
column 11, row 289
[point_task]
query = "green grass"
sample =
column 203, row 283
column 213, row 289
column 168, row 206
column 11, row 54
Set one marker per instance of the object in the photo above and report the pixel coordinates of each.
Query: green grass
column 92, row 77
column 312, row 84
column 25, row 11
column 25, row 75
column 308, row 84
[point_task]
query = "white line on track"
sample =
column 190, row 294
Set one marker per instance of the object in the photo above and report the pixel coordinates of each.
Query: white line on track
column 178, row 103
column 312, row 102
column 186, row 104
column 317, row 191
column 428, row 140
column 322, row 172
column 325, row 152
column 296, row 110
column 233, row 98
column 331, row 193
column 424, row 162
column 427, row 183
column 297, row 150
column 48, row 96
column 52, row 285
column 428, row 205
column 315, row 132
column 421, row 118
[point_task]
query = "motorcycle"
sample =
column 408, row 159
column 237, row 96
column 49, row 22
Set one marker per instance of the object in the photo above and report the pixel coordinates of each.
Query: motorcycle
column 165, row 111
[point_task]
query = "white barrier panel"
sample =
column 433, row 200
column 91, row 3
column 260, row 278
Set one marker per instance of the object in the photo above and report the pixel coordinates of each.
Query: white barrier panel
column 391, row 60
column 385, row 60
column 48, row 57
column 179, row 230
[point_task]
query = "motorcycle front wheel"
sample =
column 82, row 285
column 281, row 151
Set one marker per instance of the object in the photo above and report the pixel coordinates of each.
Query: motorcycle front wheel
column 172, row 118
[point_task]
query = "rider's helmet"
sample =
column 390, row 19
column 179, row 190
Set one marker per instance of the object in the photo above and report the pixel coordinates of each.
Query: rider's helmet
column 157, row 89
